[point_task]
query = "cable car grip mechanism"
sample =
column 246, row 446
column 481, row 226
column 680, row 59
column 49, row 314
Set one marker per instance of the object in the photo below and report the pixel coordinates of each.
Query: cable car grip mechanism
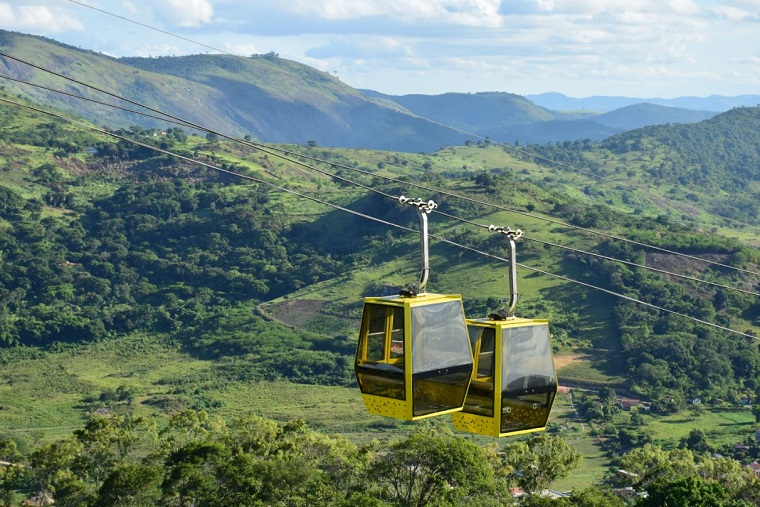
column 424, row 208
column 512, row 235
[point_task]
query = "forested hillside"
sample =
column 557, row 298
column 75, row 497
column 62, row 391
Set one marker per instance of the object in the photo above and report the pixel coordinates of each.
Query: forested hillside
column 715, row 153
column 230, row 282
column 642, row 115
column 269, row 98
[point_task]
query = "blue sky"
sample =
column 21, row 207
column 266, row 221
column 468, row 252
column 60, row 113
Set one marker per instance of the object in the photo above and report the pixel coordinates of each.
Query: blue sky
column 636, row 48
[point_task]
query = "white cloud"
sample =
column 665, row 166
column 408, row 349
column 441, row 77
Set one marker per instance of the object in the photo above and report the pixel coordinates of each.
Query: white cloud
column 623, row 31
column 363, row 48
column 750, row 60
column 613, row 7
column 187, row 13
column 37, row 18
column 740, row 11
column 129, row 7
column 337, row 9
column 751, row 5
column 452, row 12
column 244, row 49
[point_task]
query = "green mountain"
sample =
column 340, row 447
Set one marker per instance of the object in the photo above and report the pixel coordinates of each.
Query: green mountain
column 475, row 112
column 273, row 99
column 719, row 155
column 501, row 116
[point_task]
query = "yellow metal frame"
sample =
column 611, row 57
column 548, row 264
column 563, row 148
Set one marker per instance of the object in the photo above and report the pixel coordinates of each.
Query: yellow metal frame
column 491, row 425
column 391, row 407
column 387, row 332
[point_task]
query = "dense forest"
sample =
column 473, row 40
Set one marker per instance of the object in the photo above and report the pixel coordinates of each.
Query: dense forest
column 199, row 460
column 174, row 255
column 162, row 257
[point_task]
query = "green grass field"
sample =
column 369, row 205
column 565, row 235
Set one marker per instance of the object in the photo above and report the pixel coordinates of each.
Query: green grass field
column 722, row 426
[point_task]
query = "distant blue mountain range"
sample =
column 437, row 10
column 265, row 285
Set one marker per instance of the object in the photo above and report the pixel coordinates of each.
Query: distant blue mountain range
column 715, row 103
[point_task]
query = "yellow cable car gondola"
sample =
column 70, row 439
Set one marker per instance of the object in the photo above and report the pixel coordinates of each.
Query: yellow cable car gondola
column 513, row 382
column 413, row 358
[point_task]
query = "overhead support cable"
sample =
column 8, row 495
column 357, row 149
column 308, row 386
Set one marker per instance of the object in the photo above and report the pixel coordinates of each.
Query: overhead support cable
column 363, row 215
column 601, row 289
column 524, row 152
column 605, row 257
column 194, row 125
column 277, row 152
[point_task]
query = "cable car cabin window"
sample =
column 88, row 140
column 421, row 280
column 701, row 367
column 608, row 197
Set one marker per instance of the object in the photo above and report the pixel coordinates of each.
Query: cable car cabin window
column 437, row 337
column 527, row 357
column 380, row 355
column 480, row 397
column 385, row 334
column 483, row 340
column 441, row 357
column 528, row 378
column 396, row 350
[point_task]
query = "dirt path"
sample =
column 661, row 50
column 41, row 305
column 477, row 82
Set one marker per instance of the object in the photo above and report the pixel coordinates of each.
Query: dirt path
column 562, row 361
